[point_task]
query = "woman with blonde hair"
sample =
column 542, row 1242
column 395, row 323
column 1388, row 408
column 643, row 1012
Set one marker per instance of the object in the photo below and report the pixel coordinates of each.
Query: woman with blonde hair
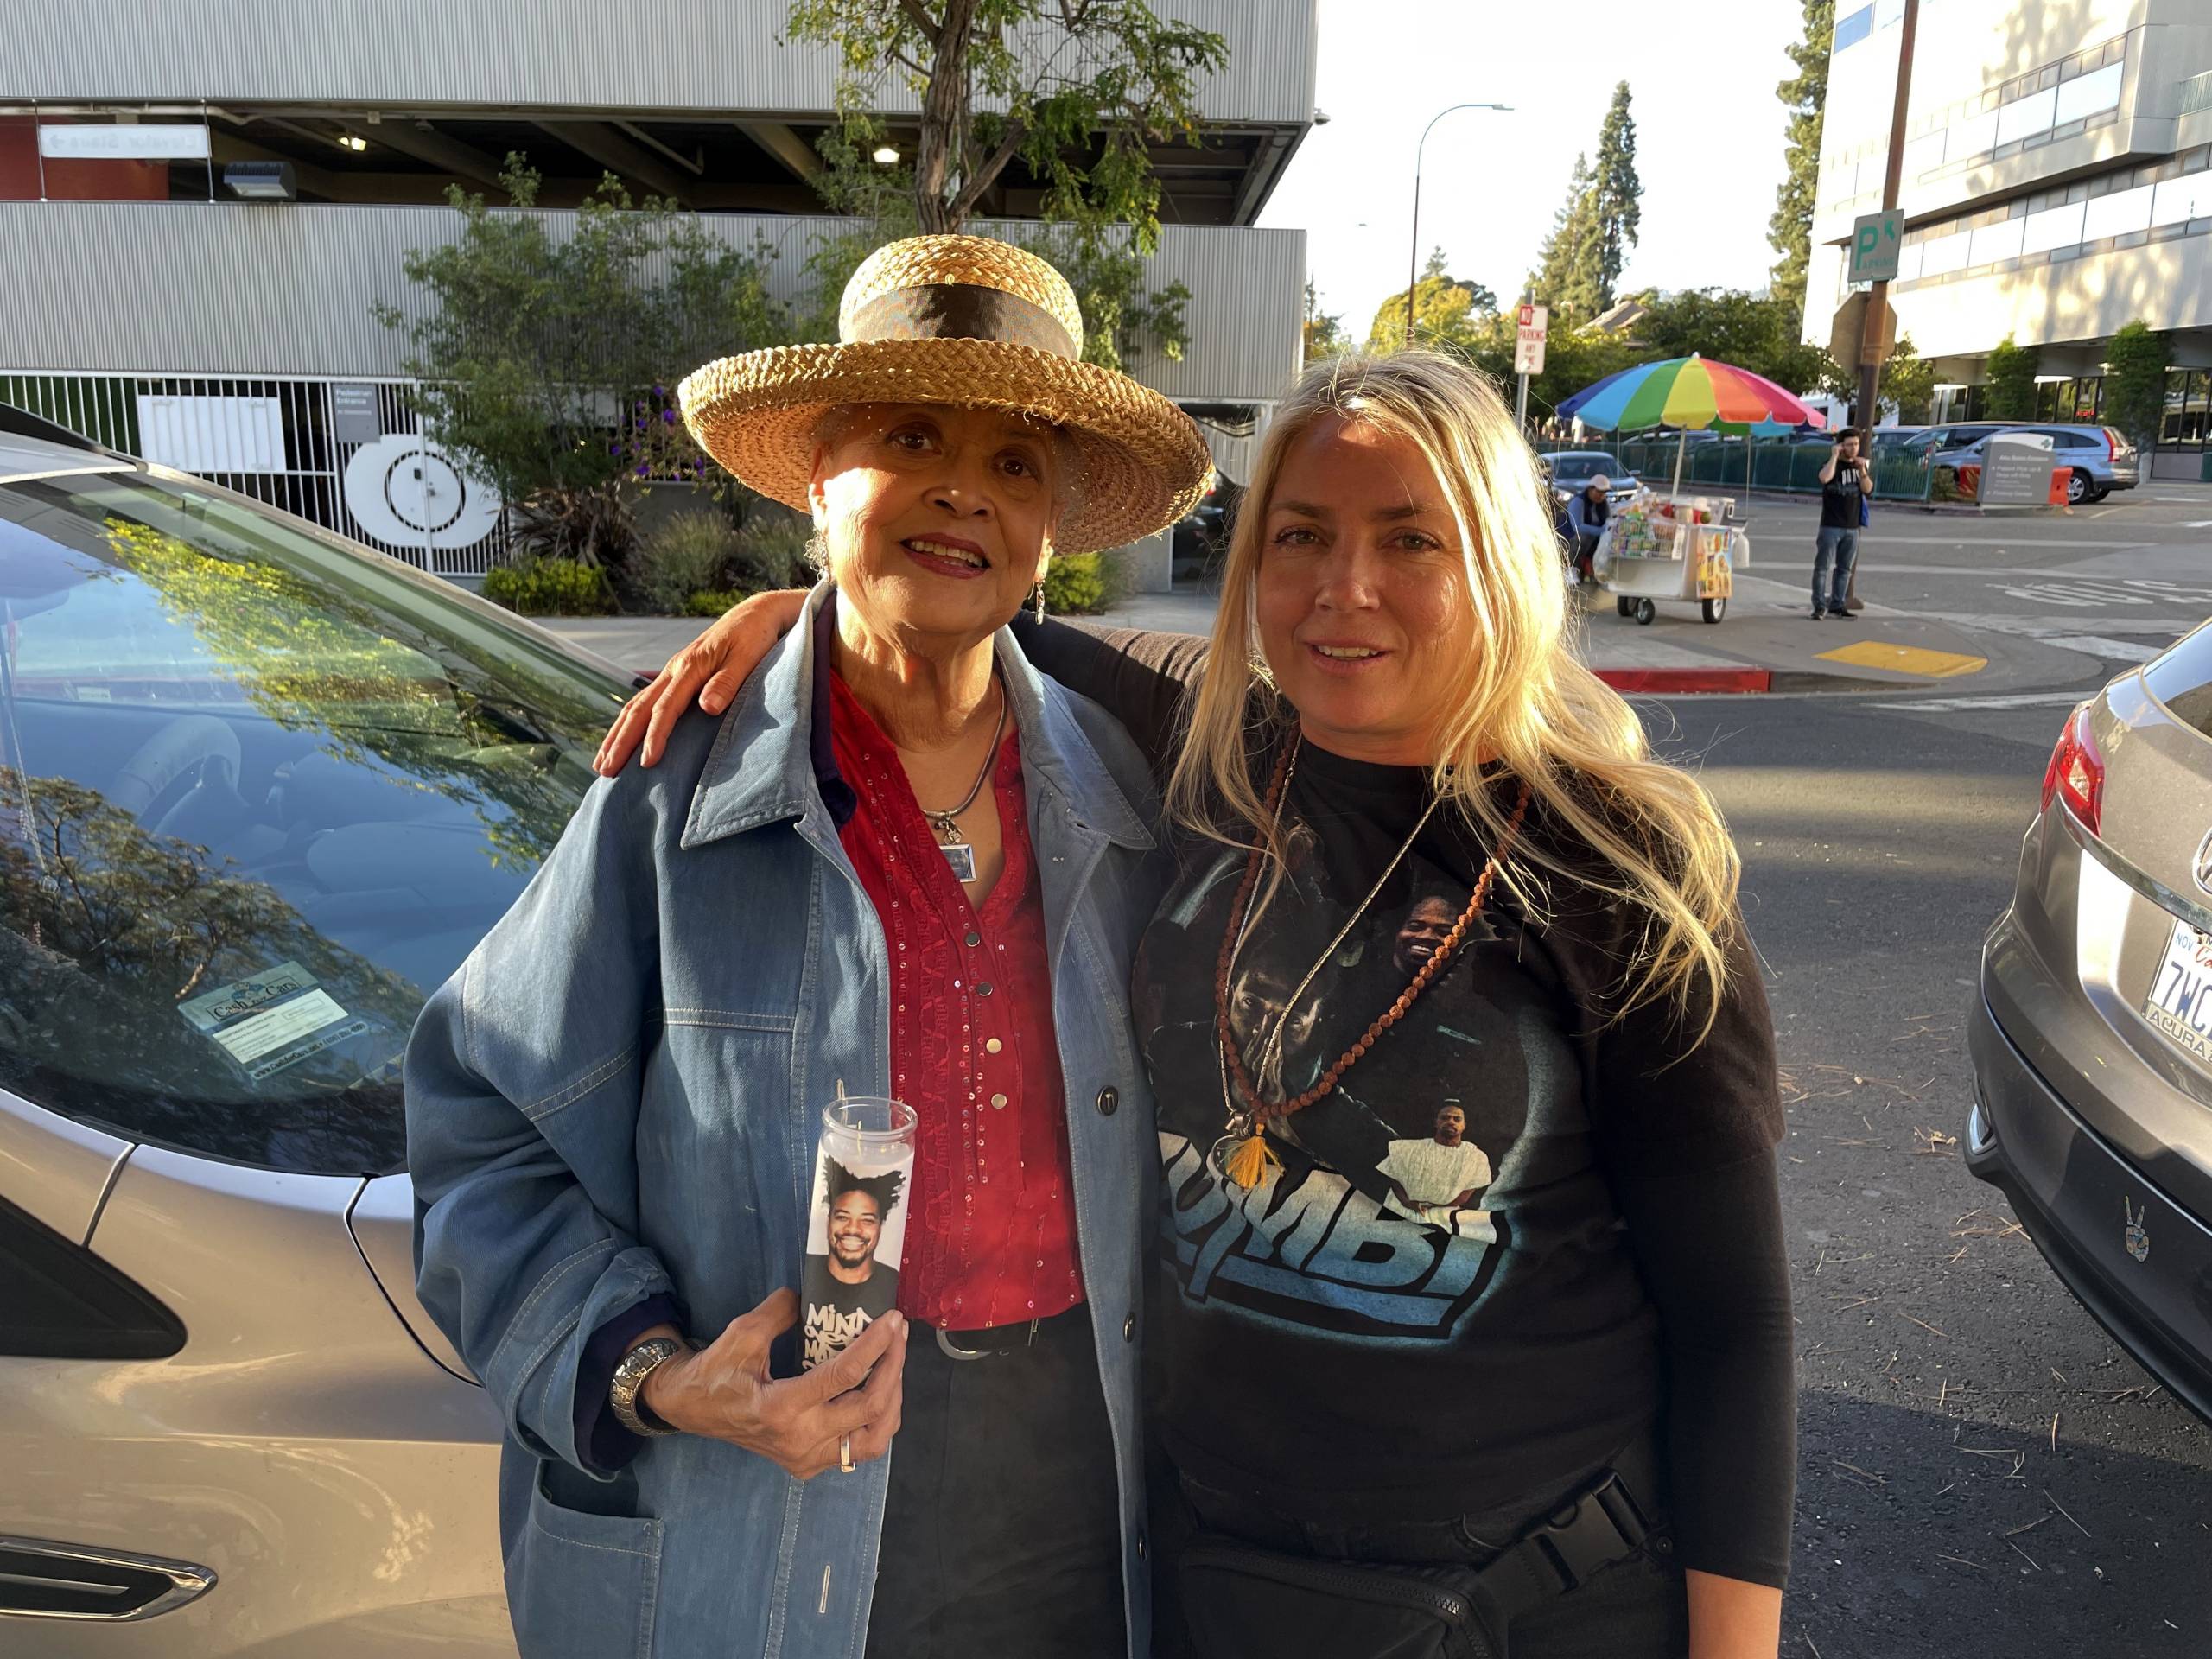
column 1472, row 1321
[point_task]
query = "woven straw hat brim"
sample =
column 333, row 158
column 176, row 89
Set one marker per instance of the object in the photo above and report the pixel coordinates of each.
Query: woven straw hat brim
column 1144, row 462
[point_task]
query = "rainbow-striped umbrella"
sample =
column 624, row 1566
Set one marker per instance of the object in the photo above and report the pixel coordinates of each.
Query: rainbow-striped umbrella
column 1685, row 391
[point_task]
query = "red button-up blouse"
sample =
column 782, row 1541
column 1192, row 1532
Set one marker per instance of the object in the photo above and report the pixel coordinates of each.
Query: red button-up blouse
column 991, row 1239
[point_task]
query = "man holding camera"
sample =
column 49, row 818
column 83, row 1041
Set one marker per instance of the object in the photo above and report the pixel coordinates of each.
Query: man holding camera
column 1845, row 482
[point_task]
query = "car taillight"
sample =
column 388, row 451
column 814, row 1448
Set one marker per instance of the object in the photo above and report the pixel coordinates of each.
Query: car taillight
column 2076, row 772
column 2114, row 441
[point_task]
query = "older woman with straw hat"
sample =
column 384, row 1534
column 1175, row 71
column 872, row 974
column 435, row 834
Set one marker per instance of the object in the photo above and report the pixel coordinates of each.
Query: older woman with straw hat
column 1472, row 1322
column 903, row 863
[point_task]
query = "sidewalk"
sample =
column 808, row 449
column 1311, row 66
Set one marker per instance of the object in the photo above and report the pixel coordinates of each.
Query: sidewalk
column 1766, row 643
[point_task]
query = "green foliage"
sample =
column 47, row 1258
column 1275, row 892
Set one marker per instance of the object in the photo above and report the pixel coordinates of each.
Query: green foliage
column 1750, row 331
column 586, row 525
column 1450, row 312
column 1616, row 197
column 1909, row 381
column 1075, row 584
column 2135, row 381
column 1579, row 266
column 549, row 587
column 530, row 344
column 2011, row 382
column 713, row 601
column 775, row 549
column 688, row 553
column 1075, row 90
column 1322, row 332
column 1805, row 94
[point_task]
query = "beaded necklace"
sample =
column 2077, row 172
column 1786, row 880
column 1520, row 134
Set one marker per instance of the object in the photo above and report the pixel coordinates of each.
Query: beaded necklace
column 1248, row 1156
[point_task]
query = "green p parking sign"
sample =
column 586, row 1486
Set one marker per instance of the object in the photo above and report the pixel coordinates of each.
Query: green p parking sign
column 1875, row 241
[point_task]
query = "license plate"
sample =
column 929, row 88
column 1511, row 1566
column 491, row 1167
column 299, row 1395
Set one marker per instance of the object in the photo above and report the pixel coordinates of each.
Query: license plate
column 2180, row 1000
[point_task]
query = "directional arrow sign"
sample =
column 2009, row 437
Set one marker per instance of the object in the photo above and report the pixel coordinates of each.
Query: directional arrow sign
column 1876, row 240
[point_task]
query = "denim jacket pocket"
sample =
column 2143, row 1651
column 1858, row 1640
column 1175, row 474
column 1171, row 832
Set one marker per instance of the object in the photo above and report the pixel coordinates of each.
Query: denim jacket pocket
column 581, row 1583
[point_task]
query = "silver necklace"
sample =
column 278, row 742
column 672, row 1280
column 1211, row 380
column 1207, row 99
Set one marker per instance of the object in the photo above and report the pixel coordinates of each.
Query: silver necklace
column 945, row 826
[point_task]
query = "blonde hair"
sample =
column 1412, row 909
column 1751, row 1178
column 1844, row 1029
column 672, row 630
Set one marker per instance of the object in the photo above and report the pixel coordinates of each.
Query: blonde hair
column 1524, row 701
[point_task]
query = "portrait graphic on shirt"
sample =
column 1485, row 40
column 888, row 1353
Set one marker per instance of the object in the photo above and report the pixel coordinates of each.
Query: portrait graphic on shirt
column 853, row 1239
column 1390, row 1213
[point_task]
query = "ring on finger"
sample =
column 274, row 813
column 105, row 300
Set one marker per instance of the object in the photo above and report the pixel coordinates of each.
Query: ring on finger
column 845, row 1454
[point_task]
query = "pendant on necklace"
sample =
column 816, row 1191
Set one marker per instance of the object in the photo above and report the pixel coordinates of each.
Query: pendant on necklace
column 958, row 852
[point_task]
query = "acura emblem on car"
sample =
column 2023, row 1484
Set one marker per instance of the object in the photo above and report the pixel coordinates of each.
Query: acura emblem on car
column 2138, row 1239
column 2204, row 862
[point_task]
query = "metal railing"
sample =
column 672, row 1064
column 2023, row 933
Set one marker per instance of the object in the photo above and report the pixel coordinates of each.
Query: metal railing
column 1775, row 467
column 2197, row 93
column 281, row 441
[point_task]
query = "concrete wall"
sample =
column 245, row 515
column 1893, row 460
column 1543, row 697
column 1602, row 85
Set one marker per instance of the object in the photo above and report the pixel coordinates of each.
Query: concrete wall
column 656, row 54
column 284, row 289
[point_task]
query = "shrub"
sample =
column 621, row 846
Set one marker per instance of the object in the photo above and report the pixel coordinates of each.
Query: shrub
column 1075, row 584
column 2011, row 387
column 774, row 549
column 692, row 551
column 585, row 526
column 713, row 601
column 2135, row 381
column 549, row 587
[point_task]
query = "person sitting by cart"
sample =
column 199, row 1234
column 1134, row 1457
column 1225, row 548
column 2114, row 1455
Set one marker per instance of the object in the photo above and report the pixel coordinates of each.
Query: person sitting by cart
column 1587, row 511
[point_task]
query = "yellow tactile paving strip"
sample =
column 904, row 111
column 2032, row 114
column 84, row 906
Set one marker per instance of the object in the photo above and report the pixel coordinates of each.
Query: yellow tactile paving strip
column 1906, row 659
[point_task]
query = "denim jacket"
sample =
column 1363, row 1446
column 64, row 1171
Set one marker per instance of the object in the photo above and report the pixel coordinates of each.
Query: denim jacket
column 618, row 1097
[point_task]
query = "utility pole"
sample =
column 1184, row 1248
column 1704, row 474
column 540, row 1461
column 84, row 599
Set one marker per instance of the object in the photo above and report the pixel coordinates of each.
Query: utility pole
column 1871, row 345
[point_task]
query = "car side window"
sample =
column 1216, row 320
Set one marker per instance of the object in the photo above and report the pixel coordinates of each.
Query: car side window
column 63, row 1302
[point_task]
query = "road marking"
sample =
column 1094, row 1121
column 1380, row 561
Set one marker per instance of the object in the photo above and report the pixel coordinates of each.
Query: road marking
column 2088, row 592
column 2093, row 644
column 2198, row 524
column 2001, row 700
column 1906, row 659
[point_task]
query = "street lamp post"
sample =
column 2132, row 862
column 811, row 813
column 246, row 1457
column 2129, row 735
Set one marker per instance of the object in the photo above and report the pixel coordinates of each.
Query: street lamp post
column 1413, row 259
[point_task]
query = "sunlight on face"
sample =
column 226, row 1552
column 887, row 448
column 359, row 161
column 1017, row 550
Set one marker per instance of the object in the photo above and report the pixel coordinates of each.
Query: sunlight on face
column 1361, row 593
column 939, row 520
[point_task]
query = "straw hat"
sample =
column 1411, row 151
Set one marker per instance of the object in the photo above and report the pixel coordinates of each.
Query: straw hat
column 966, row 320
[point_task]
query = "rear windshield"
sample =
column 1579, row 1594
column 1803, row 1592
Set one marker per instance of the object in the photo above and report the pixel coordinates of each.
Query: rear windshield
column 2182, row 680
column 258, row 797
column 1577, row 468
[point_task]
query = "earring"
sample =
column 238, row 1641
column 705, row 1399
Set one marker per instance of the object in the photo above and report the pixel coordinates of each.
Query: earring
column 1037, row 600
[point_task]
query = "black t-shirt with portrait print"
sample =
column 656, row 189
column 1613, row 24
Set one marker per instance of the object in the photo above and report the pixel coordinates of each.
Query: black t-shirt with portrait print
column 1519, row 1234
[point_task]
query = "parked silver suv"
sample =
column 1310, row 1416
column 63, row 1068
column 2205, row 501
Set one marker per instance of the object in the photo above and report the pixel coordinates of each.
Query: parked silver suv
column 260, row 791
column 2092, row 1034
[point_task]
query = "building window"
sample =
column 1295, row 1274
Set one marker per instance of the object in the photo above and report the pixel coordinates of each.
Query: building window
column 1849, row 31
column 2188, row 393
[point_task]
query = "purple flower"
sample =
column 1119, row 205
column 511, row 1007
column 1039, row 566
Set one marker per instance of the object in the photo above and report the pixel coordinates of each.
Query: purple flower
column 645, row 471
column 668, row 417
column 659, row 392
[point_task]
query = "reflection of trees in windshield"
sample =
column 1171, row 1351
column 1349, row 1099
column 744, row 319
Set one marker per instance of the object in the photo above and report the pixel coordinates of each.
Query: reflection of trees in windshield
column 312, row 656
column 109, row 928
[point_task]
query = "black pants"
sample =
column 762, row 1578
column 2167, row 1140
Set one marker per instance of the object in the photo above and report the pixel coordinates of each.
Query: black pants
column 1637, row 1608
column 1002, row 1535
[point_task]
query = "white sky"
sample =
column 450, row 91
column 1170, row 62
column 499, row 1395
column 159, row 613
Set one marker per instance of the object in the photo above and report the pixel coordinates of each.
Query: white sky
column 1708, row 130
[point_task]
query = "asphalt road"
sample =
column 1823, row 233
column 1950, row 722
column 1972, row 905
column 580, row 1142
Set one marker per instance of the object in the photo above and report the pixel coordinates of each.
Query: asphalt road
column 1983, row 1471
column 2134, row 571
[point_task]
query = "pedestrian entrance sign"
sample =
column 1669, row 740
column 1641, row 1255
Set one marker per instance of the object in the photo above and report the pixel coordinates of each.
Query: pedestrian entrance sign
column 1875, row 241
column 1531, row 323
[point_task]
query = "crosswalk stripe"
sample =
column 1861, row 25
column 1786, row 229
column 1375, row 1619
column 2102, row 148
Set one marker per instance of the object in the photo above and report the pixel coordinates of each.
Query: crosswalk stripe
column 2001, row 700
column 2119, row 651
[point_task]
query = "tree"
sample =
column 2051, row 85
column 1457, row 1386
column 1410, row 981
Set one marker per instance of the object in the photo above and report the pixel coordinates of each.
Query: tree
column 1080, row 132
column 1789, row 231
column 2011, row 382
column 1322, row 335
column 1562, row 276
column 1752, row 331
column 1909, row 381
column 1448, row 311
column 2135, row 382
column 1616, row 198
column 531, row 344
column 1075, row 89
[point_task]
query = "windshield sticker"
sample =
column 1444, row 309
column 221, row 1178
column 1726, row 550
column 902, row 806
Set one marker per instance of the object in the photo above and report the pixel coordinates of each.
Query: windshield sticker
column 273, row 1019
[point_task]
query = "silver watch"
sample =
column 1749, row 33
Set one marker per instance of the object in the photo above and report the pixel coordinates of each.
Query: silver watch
column 623, row 1392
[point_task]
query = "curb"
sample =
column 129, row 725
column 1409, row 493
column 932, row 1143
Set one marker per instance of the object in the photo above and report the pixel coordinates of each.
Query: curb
column 1678, row 680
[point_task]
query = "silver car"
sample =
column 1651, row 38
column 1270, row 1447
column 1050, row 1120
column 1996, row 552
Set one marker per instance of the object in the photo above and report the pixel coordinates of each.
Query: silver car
column 260, row 791
column 2092, row 1036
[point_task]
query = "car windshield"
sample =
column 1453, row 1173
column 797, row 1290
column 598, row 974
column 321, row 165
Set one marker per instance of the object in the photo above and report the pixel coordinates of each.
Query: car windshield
column 1579, row 469
column 258, row 797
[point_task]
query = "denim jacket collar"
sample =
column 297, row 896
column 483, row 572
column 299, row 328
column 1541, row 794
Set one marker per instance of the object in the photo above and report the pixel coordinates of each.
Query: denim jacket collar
column 762, row 766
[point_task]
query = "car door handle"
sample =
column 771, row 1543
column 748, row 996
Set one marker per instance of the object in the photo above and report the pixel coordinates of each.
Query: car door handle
column 42, row 1579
